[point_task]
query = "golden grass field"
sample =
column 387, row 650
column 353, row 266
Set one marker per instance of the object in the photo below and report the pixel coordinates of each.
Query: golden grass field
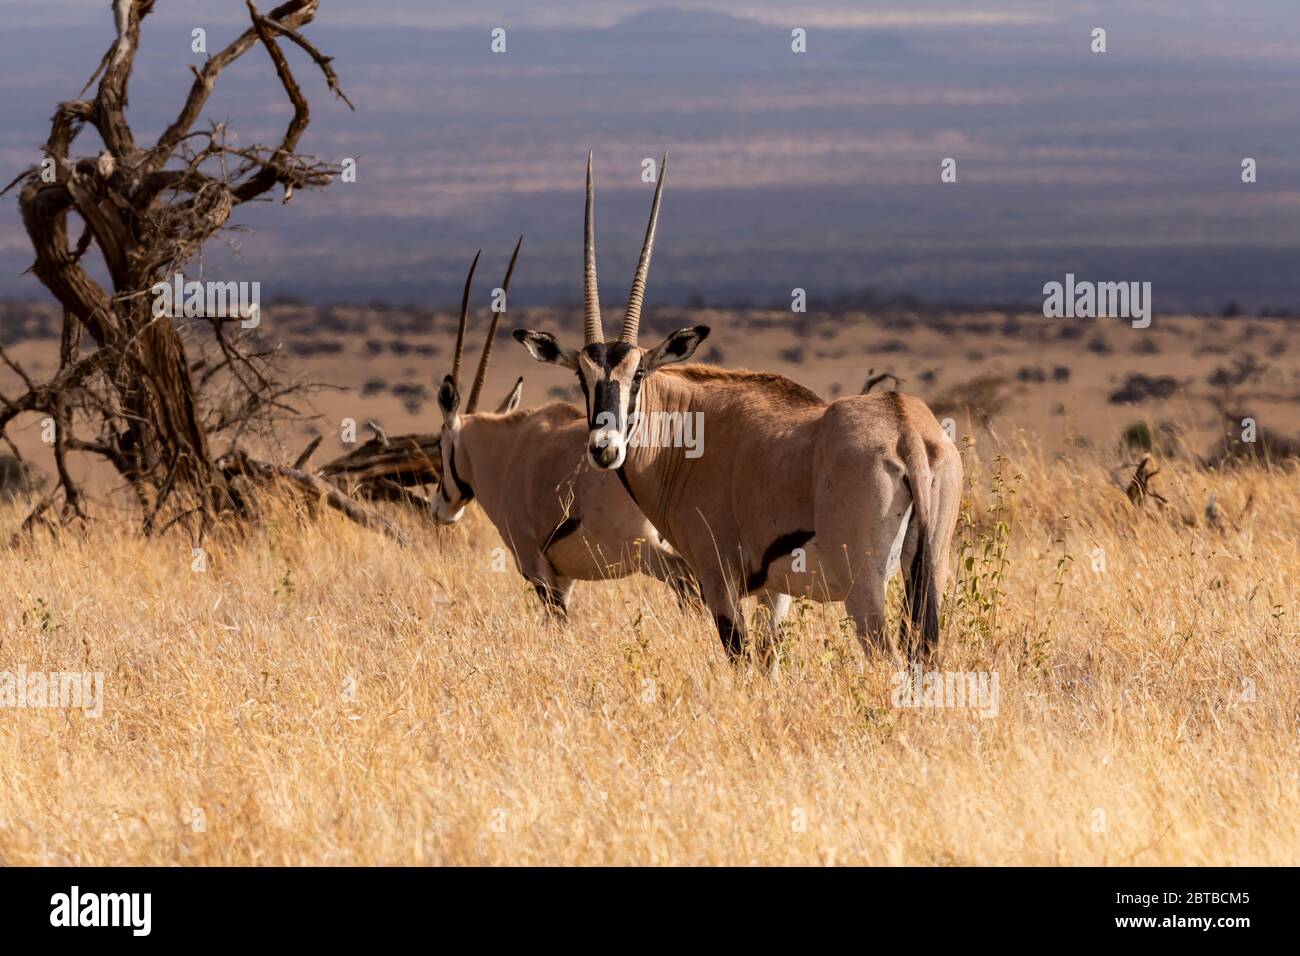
column 318, row 695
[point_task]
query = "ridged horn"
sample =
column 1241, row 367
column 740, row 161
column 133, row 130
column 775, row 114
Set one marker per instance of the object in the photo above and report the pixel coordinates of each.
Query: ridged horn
column 464, row 313
column 481, row 374
column 591, row 330
column 632, row 317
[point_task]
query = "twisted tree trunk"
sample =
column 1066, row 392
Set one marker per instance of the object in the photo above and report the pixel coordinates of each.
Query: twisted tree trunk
column 133, row 399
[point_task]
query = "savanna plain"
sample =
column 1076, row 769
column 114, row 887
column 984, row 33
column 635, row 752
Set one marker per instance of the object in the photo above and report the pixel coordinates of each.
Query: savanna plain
column 311, row 693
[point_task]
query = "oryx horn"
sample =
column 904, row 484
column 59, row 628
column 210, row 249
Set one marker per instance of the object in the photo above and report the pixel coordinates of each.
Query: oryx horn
column 492, row 334
column 464, row 313
column 632, row 317
column 591, row 330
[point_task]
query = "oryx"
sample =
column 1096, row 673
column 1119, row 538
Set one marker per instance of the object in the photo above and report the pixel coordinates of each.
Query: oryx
column 791, row 495
column 562, row 523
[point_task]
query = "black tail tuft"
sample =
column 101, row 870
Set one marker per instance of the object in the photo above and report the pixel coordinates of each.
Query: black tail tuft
column 922, row 601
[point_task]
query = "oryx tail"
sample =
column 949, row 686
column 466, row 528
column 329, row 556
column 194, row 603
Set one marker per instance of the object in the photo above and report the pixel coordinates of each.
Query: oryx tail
column 920, row 581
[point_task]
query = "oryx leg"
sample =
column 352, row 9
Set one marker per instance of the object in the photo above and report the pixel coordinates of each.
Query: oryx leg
column 552, row 589
column 775, row 607
column 861, row 535
column 946, row 502
column 724, row 604
column 685, row 588
column 555, row 598
column 768, row 641
column 653, row 556
column 866, row 605
column 676, row 573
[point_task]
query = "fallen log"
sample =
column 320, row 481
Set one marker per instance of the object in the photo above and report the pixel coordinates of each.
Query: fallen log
column 404, row 460
column 239, row 464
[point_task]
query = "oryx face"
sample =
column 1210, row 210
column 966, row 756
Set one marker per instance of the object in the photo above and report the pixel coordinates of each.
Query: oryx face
column 610, row 375
column 454, row 490
column 454, row 493
column 611, row 372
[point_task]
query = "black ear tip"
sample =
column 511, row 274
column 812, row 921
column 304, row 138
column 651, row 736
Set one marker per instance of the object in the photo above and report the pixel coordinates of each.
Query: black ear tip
column 520, row 334
column 448, row 393
column 519, row 381
column 703, row 331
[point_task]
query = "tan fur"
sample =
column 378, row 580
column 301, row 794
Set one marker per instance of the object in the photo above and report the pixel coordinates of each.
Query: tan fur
column 762, row 387
column 527, row 471
column 778, row 460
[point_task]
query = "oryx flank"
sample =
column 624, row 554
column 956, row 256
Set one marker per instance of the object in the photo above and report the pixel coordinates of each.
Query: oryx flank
column 562, row 523
column 791, row 496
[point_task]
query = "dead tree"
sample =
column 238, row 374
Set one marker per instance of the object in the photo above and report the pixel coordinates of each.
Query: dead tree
column 130, row 387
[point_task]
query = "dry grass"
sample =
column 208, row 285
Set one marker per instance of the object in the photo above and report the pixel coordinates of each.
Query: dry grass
column 477, row 734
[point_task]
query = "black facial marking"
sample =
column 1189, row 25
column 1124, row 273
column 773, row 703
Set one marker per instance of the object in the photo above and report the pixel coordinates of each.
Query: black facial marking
column 606, row 356
column 465, row 491
column 777, row 549
column 606, row 404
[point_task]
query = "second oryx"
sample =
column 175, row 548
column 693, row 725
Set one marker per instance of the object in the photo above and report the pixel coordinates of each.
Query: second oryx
column 562, row 522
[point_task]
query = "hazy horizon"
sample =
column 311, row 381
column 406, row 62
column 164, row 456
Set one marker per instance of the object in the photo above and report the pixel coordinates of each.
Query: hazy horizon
column 817, row 170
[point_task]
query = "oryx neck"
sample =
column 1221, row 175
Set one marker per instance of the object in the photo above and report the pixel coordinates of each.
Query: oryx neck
column 483, row 447
column 654, row 470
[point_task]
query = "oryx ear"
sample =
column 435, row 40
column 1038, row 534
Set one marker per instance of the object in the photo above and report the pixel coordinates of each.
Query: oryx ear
column 449, row 401
column 543, row 347
column 678, row 347
column 512, row 400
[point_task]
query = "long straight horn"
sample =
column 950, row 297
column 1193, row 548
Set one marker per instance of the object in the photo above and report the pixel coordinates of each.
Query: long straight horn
column 492, row 334
column 591, row 329
column 632, row 317
column 464, row 312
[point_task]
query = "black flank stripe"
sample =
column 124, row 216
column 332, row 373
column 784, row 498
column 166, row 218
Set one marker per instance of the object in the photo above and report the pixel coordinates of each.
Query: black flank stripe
column 778, row 548
column 562, row 531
